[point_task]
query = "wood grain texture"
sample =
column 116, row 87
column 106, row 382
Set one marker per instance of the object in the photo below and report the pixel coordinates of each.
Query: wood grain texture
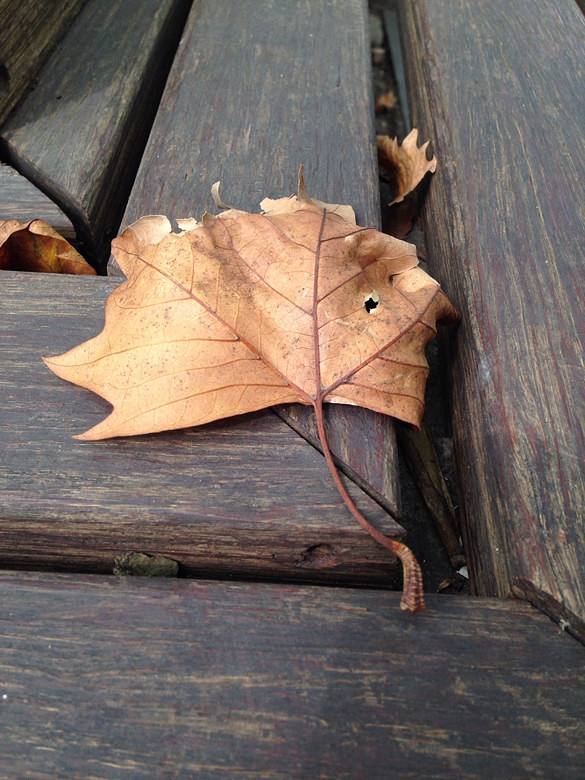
column 499, row 88
column 115, row 677
column 292, row 86
column 19, row 199
column 245, row 497
column 29, row 30
column 80, row 133
column 255, row 91
column 363, row 444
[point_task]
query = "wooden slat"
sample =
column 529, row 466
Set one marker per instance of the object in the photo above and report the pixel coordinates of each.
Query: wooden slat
column 291, row 86
column 363, row 444
column 113, row 677
column 80, row 133
column 245, row 497
column 255, row 91
column 19, row 199
column 498, row 87
column 29, row 30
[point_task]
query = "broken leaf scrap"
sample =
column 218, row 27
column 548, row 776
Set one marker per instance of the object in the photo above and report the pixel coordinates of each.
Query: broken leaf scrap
column 385, row 102
column 405, row 163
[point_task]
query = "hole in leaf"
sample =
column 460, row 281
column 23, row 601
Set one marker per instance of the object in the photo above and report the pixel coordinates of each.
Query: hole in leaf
column 371, row 302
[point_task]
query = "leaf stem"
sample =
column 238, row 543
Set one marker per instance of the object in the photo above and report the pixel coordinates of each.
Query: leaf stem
column 412, row 591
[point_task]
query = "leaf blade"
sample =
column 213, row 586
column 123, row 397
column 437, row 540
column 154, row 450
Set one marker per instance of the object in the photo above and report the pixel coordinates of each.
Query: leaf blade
column 244, row 311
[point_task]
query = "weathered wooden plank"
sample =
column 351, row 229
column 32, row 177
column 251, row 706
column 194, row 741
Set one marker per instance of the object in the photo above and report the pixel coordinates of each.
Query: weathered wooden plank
column 292, row 86
column 80, row 133
column 117, row 678
column 19, row 199
column 29, row 30
column 363, row 444
column 245, row 497
column 498, row 87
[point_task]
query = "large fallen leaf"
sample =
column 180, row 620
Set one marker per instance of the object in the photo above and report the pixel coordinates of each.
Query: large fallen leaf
column 244, row 311
column 36, row 246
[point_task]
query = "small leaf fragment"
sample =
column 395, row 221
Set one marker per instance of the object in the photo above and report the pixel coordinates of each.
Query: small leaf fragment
column 385, row 102
column 406, row 164
column 217, row 197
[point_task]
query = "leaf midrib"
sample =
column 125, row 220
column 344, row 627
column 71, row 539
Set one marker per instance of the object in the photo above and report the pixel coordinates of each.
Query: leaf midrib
column 321, row 392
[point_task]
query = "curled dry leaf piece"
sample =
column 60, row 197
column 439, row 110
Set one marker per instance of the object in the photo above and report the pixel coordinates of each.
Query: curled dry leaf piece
column 36, row 246
column 385, row 102
column 406, row 164
column 244, row 311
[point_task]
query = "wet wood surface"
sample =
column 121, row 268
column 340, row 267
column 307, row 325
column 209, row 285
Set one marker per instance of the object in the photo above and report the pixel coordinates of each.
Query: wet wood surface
column 279, row 99
column 243, row 497
column 29, row 31
column 498, row 88
column 80, row 133
column 117, row 677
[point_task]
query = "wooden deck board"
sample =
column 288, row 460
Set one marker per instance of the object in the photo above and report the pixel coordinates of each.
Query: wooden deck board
column 20, row 199
column 498, row 88
column 244, row 497
column 254, row 92
column 116, row 677
column 80, row 133
column 29, row 31
column 276, row 98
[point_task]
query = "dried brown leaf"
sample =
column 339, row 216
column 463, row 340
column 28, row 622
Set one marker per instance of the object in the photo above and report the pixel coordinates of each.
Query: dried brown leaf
column 406, row 164
column 243, row 311
column 36, row 246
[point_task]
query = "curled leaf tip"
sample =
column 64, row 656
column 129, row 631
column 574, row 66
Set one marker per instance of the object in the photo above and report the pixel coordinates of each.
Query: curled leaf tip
column 217, row 197
column 303, row 195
